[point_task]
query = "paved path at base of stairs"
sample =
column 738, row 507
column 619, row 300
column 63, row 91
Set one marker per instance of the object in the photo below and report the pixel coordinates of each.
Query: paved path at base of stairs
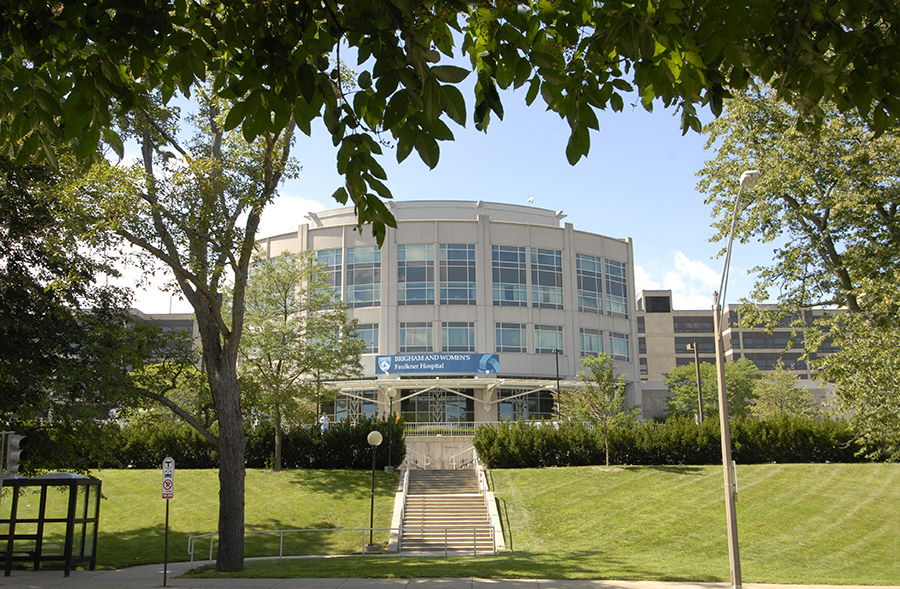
column 151, row 576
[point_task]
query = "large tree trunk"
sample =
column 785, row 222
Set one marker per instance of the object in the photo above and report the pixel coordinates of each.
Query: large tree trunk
column 220, row 363
column 277, row 465
column 232, row 445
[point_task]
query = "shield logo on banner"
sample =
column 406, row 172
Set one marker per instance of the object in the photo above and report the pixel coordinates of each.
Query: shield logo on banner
column 384, row 363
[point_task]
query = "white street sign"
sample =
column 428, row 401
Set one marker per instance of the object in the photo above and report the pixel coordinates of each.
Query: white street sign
column 168, row 483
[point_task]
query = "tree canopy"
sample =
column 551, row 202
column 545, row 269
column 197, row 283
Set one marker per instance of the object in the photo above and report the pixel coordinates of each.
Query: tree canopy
column 67, row 69
column 739, row 379
column 831, row 199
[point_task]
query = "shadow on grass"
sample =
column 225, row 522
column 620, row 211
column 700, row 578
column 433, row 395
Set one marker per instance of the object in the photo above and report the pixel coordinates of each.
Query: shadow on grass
column 676, row 469
column 354, row 484
column 507, row 565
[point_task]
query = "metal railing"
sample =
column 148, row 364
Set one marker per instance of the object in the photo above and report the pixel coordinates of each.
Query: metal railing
column 446, row 529
column 442, row 428
column 417, row 458
column 213, row 535
column 463, row 458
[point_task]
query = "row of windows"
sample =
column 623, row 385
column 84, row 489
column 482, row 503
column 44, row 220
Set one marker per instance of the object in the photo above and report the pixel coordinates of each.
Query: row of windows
column 440, row 406
column 454, row 284
column 459, row 336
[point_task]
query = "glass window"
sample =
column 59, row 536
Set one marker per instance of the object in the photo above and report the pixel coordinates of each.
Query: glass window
column 518, row 404
column 458, row 336
column 457, row 274
column 416, row 337
column 510, row 337
column 437, row 406
column 547, row 339
column 644, row 370
column 591, row 342
column 693, row 324
column 705, row 345
column 546, row 278
column 616, row 288
column 590, row 281
column 363, row 276
column 509, row 276
column 352, row 407
column 368, row 332
column 641, row 326
column 618, row 346
column 331, row 260
column 642, row 345
column 415, row 274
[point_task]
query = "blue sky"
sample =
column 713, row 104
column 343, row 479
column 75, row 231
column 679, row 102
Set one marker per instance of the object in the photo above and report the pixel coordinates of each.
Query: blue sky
column 639, row 181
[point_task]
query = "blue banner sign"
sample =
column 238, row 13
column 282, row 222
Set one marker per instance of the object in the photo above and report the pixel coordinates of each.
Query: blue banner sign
column 440, row 363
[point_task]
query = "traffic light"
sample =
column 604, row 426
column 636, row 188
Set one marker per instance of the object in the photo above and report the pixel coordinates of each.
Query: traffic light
column 16, row 452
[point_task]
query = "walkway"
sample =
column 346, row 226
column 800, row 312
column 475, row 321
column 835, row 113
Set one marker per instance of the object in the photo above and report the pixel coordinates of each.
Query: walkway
column 147, row 577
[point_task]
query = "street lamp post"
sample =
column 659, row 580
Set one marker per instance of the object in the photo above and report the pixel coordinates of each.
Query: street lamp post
column 693, row 346
column 391, row 392
column 374, row 438
column 558, row 403
column 748, row 180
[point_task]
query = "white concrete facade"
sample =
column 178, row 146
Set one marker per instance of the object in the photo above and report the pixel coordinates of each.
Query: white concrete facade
column 425, row 226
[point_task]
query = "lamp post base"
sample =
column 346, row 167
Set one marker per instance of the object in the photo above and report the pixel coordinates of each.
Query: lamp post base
column 373, row 548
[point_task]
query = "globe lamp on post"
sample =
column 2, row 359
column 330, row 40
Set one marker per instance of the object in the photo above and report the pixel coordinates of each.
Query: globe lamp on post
column 374, row 438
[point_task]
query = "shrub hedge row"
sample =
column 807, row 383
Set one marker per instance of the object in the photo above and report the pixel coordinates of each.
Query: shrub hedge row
column 678, row 440
column 145, row 444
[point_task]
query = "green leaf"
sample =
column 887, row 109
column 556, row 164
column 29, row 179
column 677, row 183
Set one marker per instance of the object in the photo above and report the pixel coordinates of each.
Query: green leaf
column 454, row 104
column 428, row 149
column 235, row 116
column 365, row 80
column 579, row 144
column 450, row 74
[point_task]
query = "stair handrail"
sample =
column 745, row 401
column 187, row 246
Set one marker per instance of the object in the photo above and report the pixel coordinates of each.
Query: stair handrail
column 488, row 497
column 404, row 494
column 463, row 458
column 417, row 458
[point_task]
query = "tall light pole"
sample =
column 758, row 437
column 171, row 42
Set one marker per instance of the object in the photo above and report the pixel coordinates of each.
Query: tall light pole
column 374, row 438
column 748, row 180
column 693, row 346
column 391, row 392
column 558, row 403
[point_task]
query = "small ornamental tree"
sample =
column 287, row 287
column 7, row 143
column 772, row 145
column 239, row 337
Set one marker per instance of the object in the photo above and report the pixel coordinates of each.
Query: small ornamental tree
column 295, row 328
column 739, row 379
column 601, row 399
column 777, row 393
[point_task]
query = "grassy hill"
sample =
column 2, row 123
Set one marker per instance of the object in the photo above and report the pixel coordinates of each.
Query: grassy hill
column 807, row 523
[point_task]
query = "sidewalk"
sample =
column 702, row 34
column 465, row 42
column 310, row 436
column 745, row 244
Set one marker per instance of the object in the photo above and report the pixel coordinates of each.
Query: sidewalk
column 150, row 576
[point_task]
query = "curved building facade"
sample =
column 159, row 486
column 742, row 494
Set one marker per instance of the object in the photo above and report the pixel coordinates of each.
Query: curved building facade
column 472, row 311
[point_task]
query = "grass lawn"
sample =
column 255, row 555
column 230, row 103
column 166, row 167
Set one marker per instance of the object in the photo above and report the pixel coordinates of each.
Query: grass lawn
column 133, row 514
column 808, row 523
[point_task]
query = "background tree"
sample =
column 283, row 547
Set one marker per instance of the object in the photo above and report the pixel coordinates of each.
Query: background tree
column 295, row 330
column 832, row 201
column 740, row 377
column 601, row 399
column 776, row 393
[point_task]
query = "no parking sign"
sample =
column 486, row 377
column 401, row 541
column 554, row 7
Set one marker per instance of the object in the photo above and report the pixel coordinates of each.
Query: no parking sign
column 168, row 482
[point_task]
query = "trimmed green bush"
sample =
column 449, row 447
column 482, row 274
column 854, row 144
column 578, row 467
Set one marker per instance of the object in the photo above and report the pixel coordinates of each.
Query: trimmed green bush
column 678, row 440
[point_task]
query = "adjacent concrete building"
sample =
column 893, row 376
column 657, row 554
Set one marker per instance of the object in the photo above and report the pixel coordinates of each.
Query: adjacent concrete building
column 666, row 337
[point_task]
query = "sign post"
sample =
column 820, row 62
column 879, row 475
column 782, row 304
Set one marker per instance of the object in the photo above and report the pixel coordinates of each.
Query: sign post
column 168, row 492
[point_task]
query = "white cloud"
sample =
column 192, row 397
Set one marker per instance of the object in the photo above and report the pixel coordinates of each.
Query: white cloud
column 285, row 214
column 644, row 281
column 692, row 282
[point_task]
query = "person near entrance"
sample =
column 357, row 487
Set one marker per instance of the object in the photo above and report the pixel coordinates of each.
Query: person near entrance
column 323, row 422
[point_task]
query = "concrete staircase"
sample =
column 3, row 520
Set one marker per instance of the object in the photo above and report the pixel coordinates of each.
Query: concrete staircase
column 443, row 507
